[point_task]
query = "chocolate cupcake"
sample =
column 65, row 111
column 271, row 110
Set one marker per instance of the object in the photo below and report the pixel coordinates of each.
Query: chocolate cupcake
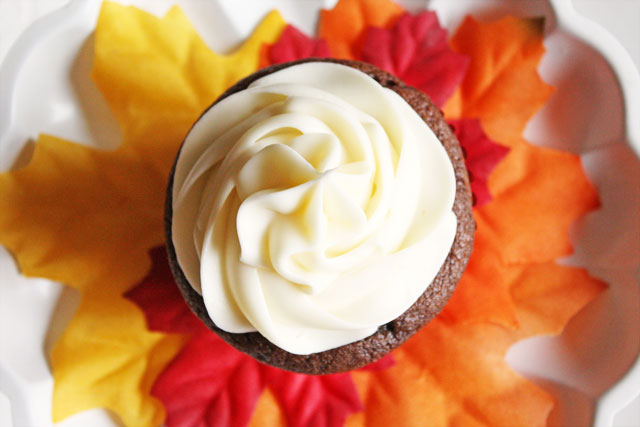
column 318, row 214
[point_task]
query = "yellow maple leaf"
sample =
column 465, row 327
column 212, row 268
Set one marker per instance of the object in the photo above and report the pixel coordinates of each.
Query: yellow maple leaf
column 87, row 217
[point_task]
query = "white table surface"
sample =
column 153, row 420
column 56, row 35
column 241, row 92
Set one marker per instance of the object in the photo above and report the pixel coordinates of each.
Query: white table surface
column 620, row 17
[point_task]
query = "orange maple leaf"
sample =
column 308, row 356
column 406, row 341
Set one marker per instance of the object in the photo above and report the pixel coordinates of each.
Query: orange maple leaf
column 504, row 91
column 343, row 26
column 87, row 217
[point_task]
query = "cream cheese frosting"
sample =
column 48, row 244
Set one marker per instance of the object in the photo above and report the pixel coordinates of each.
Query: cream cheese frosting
column 313, row 207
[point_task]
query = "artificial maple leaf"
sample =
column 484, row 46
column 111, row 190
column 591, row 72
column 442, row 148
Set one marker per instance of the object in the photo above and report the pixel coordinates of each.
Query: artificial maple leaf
column 380, row 364
column 482, row 155
column 158, row 75
column 294, row 44
column 267, row 411
column 443, row 378
column 478, row 300
column 537, row 191
column 314, row 400
column 417, row 51
column 454, row 371
column 344, row 26
column 546, row 309
column 64, row 219
column 87, row 217
column 211, row 383
column 495, row 84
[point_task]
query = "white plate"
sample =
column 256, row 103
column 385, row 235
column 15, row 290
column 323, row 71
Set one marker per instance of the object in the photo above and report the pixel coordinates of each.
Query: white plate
column 592, row 368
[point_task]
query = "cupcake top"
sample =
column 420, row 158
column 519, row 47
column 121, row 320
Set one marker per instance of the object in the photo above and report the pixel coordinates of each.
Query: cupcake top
column 313, row 206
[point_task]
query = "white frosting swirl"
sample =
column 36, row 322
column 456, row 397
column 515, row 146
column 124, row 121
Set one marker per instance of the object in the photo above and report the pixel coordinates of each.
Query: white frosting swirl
column 313, row 207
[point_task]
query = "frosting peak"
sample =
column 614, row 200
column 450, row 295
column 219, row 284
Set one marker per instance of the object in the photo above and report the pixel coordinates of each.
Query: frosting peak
column 313, row 207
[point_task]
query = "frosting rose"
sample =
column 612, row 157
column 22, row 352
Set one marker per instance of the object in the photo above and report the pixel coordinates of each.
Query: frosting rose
column 312, row 207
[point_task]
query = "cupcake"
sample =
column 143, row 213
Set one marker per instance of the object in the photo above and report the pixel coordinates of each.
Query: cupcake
column 318, row 214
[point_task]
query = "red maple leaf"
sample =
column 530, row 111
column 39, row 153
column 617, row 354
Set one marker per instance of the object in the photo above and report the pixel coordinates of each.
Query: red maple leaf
column 380, row 364
column 210, row 383
column 294, row 44
column 482, row 155
column 307, row 400
column 160, row 300
column 417, row 50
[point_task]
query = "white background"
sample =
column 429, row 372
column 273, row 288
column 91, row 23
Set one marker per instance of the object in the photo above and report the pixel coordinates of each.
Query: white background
column 620, row 17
